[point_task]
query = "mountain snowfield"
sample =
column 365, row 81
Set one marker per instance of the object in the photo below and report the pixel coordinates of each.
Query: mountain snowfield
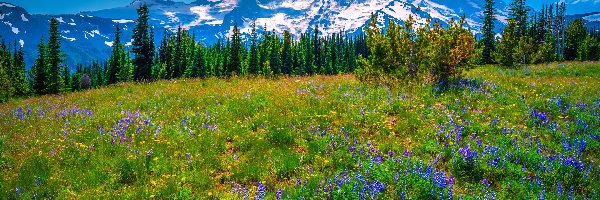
column 88, row 36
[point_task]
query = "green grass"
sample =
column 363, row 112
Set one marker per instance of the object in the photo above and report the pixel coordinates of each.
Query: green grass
column 207, row 137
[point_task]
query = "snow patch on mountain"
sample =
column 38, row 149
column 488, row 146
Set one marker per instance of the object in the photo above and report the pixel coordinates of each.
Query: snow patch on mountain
column 70, row 39
column 123, row 21
column 110, row 44
column 202, row 15
column 172, row 16
column 6, row 5
column 592, row 18
column 227, row 5
column 15, row 30
column 24, row 18
column 5, row 15
column 22, row 43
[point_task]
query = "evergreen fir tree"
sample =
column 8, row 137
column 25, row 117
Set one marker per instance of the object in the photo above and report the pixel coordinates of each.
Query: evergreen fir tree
column 518, row 12
column 506, row 45
column 39, row 73
column 115, row 61
column 488, row 32
column 55, row 59
column 143, row 46
column 236, row 51
column 286, row 53
column 576, row 33
column 253, row 65
column 19, row 79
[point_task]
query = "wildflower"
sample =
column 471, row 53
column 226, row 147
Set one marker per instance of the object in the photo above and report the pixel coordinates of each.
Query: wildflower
column 18, row 191
column 279, row 194
column 467, row 154
column 156, row 133
column 149, row 153
column 65, row 134
column 19, row 113
column 189, row 156
column 261, row 192
column 485, row 182
column 38, row 181
column 376, row 187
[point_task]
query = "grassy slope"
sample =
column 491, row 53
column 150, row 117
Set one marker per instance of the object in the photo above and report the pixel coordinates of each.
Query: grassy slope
column 205, row 135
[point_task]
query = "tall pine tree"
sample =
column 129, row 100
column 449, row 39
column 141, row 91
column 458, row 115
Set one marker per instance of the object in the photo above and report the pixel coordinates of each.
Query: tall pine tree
column 18, row 79
column 253, row 65
column 236, row 51
column 39, row 73
column 488, row 32
column 143, row 46
column 55, row 59
column 115, row 61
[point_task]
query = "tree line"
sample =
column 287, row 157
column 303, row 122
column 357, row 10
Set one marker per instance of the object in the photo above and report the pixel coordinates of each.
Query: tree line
column 536, row 37
column 400, row 52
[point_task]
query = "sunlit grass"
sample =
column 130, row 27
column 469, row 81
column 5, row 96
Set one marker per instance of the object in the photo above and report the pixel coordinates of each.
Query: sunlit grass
column 311, row 137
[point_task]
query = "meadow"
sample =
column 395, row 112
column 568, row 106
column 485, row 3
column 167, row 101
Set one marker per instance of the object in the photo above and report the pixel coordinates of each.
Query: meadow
column 530, row 133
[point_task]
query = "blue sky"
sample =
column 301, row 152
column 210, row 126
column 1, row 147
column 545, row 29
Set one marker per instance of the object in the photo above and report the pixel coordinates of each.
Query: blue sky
column 75, row 6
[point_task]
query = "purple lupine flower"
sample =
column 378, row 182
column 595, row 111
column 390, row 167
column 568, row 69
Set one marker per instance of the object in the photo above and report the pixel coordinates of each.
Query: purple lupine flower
column 65, row 134
column 279, row 194
column 468, row 154
column 38, row 181
column 376, row 187
column 245, row 190
column 19, row 113
column 540, row 116
column 189, row 156
column 18, row 191
column 581, row 148
column 485, row 182
column 149, row 153
column 559, row 189
column 261, row 192
column 156, row 133
column 406, row 153
column 439, row 179
column 542, row 195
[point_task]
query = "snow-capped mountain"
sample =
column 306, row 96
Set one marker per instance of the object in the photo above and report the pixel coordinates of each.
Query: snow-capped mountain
column 88, row 36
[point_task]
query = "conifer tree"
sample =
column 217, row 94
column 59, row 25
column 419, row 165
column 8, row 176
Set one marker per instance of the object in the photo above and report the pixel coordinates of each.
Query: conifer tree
column 518, row 12
column 143, row 46
column 6, row 89
column 199, row 69
column 39, row 73
column 19, row 79
column 115, row 61
column 286, row 53
column 236, row 51
column 253, row 65
column 66, row 79
column 316, row 48
column 576, row 33
column 55, row 59
column 488, row 32
column 506, row 45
